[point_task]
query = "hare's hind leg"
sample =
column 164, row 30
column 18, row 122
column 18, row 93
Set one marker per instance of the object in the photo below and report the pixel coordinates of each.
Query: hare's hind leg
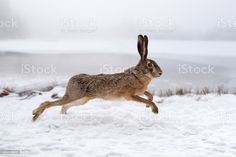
column 38, row 111
column 77, row 102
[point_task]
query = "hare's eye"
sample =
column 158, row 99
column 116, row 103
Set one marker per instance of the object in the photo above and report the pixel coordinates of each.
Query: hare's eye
column 150, row 65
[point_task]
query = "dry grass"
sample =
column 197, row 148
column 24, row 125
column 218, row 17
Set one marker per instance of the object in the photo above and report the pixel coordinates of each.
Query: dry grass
column 166, row 93
column 27, row 93
column 177, row 91
column 221, row 90
column 203, row 91
column 182, row 91
column 4, row 93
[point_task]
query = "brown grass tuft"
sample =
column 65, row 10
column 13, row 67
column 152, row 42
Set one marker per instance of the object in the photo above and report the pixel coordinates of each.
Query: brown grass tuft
column 202, row 91
column 182, row 91
column 166, row 93
column 221, row 90
column 4, row 93
column 205, row 91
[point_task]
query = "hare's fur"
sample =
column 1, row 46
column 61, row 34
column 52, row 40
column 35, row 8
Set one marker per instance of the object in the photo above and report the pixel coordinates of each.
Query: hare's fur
column 128, row 84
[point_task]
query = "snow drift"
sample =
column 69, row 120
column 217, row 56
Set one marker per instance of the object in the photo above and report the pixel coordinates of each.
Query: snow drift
column 186, row 126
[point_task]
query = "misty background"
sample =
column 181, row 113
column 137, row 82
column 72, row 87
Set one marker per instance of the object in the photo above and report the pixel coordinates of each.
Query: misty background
column 123, row 19
column 101, row 36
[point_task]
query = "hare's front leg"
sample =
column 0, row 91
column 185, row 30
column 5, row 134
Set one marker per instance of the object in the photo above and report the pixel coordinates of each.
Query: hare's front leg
column 145, row 101
column 149, row 96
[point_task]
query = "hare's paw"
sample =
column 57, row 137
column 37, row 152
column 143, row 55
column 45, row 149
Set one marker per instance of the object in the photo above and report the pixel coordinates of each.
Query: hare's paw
column 37, row 112
column 154, row 109
column 35, row 116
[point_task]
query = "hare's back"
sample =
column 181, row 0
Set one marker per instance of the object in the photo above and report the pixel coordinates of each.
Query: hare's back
column 101, row 84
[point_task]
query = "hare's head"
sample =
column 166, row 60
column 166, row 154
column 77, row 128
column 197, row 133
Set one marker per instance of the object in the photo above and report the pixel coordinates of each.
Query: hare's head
column 149, row 67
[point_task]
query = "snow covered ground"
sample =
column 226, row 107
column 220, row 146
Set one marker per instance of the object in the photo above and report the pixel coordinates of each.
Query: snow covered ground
column 190, row 126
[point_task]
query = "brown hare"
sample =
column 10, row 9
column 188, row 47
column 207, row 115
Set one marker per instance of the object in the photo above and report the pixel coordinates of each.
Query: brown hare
column 129, row 85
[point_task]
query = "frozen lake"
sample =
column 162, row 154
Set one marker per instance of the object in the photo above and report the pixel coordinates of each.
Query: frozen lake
column 192, row 64
column 193, row 71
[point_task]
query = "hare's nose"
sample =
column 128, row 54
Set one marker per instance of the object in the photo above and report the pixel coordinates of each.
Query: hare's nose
column 160, row 73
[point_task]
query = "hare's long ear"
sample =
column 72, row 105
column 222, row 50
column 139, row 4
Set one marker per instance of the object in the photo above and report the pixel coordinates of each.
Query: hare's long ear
column 141, row 46
column 145, row 46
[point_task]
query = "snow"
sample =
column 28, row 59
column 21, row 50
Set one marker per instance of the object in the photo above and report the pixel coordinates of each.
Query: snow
column 188, row 125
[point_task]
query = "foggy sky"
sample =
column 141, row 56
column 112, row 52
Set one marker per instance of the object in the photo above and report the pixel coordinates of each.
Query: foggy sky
column 165, row 19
